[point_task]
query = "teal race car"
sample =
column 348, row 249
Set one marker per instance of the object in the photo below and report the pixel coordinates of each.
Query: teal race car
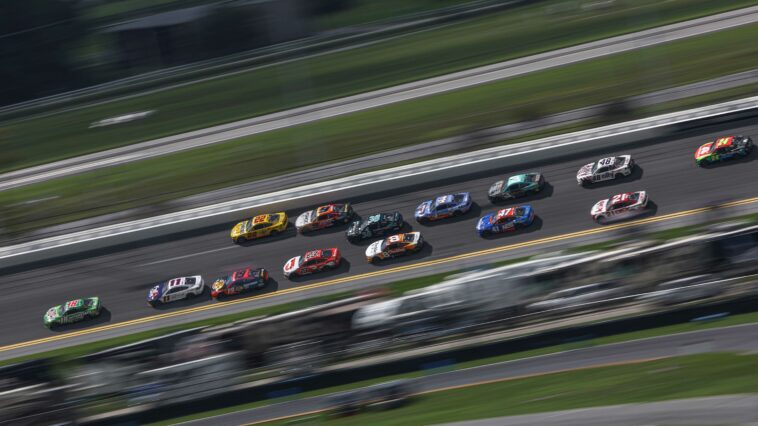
column 516, row 186
column 72, row 311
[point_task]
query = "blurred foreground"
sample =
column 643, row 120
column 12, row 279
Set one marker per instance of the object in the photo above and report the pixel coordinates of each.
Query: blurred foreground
column 255, row 359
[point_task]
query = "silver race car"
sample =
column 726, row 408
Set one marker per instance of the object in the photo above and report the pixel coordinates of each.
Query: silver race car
column 621, row 204
column 605, row 169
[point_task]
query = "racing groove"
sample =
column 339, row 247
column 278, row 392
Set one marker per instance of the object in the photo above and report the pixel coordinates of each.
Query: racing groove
column 665, row 169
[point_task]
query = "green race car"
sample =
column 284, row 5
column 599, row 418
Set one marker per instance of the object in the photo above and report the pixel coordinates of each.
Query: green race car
column 72, row 311
column 516, row 186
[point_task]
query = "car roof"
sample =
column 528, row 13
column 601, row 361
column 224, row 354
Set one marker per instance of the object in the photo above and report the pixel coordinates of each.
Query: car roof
column 325, row 209
column 443, row 199
column 312, row 254
column 509, row 212
column 516, row 179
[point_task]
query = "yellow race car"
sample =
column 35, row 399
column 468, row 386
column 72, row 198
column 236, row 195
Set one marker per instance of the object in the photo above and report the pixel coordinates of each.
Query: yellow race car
column 260, row 226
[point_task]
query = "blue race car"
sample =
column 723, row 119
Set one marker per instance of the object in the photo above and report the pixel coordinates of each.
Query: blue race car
column 443, row 207
column 505, row 220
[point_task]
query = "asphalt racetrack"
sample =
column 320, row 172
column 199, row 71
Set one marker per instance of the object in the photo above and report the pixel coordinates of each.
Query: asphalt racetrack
column 121, row 279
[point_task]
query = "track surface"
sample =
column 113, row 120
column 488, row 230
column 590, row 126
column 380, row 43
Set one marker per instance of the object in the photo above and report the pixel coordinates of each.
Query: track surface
column 666, row 170
column 380, row 98
column 743, row 338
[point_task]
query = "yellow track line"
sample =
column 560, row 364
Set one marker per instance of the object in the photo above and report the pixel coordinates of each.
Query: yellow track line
column 382, row 272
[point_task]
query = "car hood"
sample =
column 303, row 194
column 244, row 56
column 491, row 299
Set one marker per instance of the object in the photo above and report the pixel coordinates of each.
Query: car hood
column 304, row 219
column 704, row 150
column 423, row 208
column 237, row 228
column 356, row 228
column 154, row 293
column 53, row 313
column 374, row 249
column 484, row 222
column 292, row 264
column 585, row 171
column 599, row 207
column 496, row 187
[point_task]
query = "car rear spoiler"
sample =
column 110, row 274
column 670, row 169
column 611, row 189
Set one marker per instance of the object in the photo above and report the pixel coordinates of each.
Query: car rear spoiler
column 347, row 208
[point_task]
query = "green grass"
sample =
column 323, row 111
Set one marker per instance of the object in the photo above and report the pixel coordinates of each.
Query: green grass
column 151, row 182
column 672, row 378
column 512, row 33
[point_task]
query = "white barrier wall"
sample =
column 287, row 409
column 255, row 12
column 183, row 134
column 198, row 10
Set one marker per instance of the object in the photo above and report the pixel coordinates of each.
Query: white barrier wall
column 344, row 189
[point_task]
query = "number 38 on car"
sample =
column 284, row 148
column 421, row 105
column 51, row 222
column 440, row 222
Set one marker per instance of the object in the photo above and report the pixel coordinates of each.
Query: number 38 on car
column 72, row 311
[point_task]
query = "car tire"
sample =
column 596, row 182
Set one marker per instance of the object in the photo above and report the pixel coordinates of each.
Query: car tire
column 331, row 265
column 190, row 295
column 240, row 239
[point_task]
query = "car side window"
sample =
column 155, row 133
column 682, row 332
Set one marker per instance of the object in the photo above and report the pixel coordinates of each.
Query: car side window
column 602, row 169
column 261, row 226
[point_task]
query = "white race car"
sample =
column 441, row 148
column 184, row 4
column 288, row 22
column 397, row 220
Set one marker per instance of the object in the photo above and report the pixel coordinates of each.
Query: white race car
column 175, row 289
column 620, row 204
column 605, row 169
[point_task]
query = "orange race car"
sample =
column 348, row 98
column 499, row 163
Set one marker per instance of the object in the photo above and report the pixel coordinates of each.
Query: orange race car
column 396, row 245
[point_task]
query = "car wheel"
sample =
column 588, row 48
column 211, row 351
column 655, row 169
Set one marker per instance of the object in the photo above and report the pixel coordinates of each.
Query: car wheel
column 457, row 213
column 331, row 265
column 190, row 295
column 241, row 239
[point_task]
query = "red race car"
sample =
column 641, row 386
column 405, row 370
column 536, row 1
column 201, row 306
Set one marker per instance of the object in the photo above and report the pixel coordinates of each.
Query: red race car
column 312, row 261
column 241, row 281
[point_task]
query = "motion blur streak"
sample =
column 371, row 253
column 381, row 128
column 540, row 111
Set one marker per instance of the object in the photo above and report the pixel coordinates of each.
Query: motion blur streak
column 479, row 383
column 500, row 249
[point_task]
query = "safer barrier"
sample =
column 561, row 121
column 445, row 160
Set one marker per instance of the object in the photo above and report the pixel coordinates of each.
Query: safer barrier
column 607, row 138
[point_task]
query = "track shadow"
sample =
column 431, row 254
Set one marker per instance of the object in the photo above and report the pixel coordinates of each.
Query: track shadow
column 367, row 241
column 534, row 227
column 288, row 232
column 636, row 175
column 547, row 191
column 474, row 211
column 425, row 252
column 104, row 317
column 203, row 297
column 747, row 159
column 344, row 267
column 271, row 287
column 337, row 228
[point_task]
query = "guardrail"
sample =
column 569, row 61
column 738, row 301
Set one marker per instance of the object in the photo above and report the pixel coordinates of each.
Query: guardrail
column 605, row 138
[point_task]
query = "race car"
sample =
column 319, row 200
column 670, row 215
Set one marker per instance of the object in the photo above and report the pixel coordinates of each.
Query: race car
column 723, row 149
column 516, row 186
column 605, row 169
column 73, row 311
column 505, row 220
column 262, row 225
column 394, row 246
column 241, row 281
column 619, row 204
column 175, row 289
column 312, row 262
column 443, row 207
column 374, row 225
column 324, row 217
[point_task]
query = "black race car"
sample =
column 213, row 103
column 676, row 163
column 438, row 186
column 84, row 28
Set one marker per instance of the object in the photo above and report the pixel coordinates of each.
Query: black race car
column 374, row 225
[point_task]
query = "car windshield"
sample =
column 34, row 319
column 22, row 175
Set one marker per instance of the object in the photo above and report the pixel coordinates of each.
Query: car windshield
column 520, row 211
